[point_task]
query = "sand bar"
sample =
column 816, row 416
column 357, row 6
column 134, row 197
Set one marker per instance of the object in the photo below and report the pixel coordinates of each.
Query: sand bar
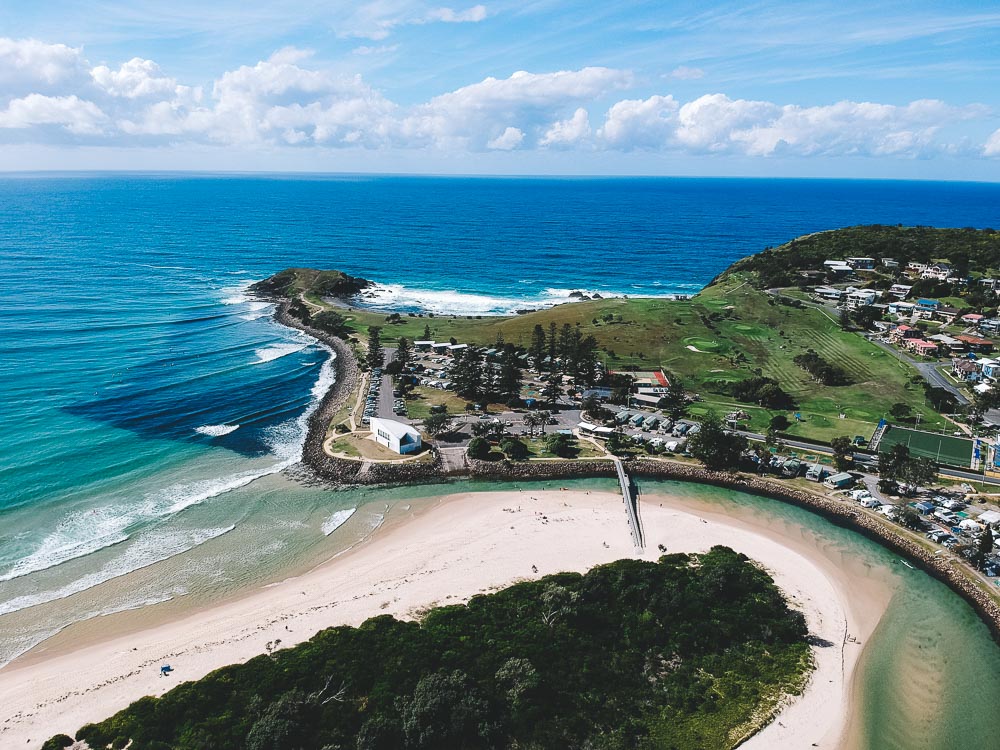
column 463, row 545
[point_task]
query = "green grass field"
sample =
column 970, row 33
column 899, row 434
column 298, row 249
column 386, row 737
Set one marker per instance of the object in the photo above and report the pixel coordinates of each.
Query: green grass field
column 945, row 449
column 737, row 330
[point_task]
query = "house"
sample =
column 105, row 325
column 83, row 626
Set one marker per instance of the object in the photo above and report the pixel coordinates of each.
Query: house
column 990, row 368
column 905, row 332
column 927, row 305
column 637, row 420
column 837, row 267
column 965, row 369
column 860, row 298
column 899, row 291
column 939, row 271
column 861, row 264
column 947, row 314
column 923, row 348
column 423, row 346
column 990, row 284
column 840, row 481
column 948, row 342
column 971, row 318
column 828, row 292
column 816, row 472
column 976, row 344
column 901, row 308
column 396, row 436
column 890, row 262
column 454, row 349
column 915, row 267
column 790, row 468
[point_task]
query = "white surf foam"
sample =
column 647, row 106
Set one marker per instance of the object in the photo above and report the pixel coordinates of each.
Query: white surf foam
column 337, row 520
column 271, row 353
column 216, row 430
column 149, row 548
column 397, row 297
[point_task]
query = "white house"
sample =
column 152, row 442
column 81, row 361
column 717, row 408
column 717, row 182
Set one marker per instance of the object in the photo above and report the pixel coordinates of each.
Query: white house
column 395, row 436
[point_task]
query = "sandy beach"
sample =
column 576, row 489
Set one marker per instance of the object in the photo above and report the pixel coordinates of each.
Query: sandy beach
column 461, row 546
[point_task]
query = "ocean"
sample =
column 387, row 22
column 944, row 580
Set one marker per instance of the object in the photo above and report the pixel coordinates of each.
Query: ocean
column 150, row 407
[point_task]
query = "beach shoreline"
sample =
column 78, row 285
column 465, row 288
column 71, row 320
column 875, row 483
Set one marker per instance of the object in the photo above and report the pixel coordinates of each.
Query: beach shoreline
column 489, row 540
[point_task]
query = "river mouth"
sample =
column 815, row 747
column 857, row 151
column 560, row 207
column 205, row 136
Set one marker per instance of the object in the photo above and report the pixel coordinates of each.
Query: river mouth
column 910, row 689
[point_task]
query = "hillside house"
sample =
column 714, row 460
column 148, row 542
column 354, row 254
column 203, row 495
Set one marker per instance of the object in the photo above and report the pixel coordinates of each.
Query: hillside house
column 899, row 291
column 861, row 264
column 860, row 298
column 972, row 318
column 966, row 370
column 891, row 263
column 923, row 348
column 976, row 344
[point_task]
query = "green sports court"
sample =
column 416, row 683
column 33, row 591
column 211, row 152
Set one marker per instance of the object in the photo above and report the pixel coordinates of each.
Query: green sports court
column 945, row 449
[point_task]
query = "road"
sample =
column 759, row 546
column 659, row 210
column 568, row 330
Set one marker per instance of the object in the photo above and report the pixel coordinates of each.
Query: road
column 869, row 460
column 929, row 370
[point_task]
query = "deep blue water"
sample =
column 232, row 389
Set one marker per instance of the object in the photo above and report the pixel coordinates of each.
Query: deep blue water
column 127, row 347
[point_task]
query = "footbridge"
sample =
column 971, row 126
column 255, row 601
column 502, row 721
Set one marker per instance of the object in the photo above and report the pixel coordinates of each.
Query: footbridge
column 630, row 494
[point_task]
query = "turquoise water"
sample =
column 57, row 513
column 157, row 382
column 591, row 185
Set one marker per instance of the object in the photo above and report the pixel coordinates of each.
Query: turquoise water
column 150, row 407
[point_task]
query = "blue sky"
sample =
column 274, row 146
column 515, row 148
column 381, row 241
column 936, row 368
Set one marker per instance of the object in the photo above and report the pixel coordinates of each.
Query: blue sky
column 845, row 89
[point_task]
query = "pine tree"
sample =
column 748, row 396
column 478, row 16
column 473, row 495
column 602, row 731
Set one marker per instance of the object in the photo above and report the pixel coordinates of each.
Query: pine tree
column 509, row 381
column 376, row 355
column 427, row 332
column 467, row 374
column 536, row 352
column 553, row 346
column 403, row 351
column 984, row 546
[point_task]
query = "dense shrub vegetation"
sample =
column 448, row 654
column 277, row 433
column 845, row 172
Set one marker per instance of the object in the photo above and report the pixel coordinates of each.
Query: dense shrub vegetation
column 975, row 249
column 675, row 654
column 822, row 371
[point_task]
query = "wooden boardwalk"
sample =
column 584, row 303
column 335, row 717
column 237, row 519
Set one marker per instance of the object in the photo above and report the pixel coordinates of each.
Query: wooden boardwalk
column 630, row 494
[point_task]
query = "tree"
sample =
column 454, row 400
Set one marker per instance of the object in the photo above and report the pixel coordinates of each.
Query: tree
column 892, row 461
column 553, row 346
column 403, row 351
column 552, row 391
column 427, row 332
column 376, row 355
column 509, row 378
column 438, row 423
column 514, row 449
column 907, row 516
column 467, row 374
column 899, row 411
column 446, row 710
column 843, row 452
column 617, row 443
column 984, row 546
column 536, row 351
column 560, row 444
column 919, row 471
column 479, row 448
column 714, row 446
column 674, row 402
column 779, row 423
column 940, row 399
column 330, row 321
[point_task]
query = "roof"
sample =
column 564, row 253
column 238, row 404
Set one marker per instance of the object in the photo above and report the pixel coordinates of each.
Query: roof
column 975, row 340
column 925, row 301
column 396, row 429
column 841, row 477
column 423, row 343
column 918, row 344
column 989, row 516
column 972, row 316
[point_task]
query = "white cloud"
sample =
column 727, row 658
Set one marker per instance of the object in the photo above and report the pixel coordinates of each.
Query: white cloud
column 289, row 100
column 684, row 73
column 76, row 115
column 509, row 139
column 134, row 79
column 29, row 62
column 462, row 118
column 992, row 147
column 567, row 132
column 475, row 14
column 638, row 123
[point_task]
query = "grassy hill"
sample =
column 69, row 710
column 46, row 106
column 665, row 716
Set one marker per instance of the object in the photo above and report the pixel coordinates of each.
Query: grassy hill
column 733, row 331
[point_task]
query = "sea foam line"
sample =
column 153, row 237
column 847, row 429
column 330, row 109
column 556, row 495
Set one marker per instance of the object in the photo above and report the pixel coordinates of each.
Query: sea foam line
column 337, row 520
column 216, row 430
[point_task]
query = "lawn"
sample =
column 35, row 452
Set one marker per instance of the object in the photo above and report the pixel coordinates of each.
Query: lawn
column 584, row 449
column 728, row 332
column 360, row 446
